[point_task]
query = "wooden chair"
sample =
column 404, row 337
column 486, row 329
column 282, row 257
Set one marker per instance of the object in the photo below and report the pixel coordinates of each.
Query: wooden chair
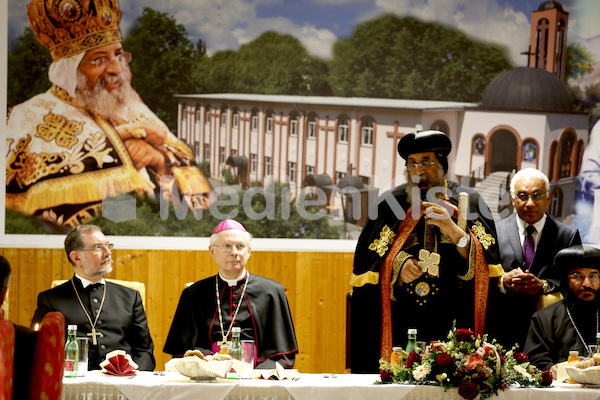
column 5, row 306
column 547, row 299
column 139, row 286
column 7, row 350
column 48, row 359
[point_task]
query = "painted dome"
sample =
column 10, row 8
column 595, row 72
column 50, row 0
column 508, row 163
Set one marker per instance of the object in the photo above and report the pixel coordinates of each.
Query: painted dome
column 550, row 5
column 531, row 89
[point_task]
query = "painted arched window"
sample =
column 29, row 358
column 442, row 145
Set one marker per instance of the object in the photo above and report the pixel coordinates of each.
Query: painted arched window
column 223, row 116
column 343, row 126
column 270, row 118
column 235, row 117
column 530, row 151
column 367, row 131
column 479, row 145
column 441, row 126
column 293, row 128
column 312, row 126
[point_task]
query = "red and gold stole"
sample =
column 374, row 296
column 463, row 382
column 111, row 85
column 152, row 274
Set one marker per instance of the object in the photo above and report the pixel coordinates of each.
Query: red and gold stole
column 476, row 257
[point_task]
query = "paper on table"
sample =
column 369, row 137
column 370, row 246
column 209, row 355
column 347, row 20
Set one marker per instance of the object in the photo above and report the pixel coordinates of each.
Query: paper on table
column 279, row 373
column 118, row 363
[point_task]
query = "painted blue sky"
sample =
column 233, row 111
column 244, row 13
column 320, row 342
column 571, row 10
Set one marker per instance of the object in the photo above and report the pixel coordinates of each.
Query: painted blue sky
column 227, row 24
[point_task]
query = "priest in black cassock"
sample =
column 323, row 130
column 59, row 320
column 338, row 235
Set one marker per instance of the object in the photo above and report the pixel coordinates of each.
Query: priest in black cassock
column 416, row 265
column 210, row 308
column 571, row 323
column 111, row 315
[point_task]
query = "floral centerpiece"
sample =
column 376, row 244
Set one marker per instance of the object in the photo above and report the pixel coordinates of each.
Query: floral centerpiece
column 473, row 365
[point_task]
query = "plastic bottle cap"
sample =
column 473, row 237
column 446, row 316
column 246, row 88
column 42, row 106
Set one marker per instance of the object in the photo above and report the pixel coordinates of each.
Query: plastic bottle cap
column 236, row 329
column 574, row 352
column 597, row 335
column 396, row 348
column 72, row 327
column 412, row 331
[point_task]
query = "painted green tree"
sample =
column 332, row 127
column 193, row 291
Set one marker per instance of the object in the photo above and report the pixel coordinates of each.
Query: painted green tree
column 393, row 57
column 163, row 57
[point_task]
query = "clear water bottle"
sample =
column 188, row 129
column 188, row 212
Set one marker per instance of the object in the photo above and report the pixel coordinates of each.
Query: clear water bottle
column 235, row 348
column 71, row 352
column 411, row 345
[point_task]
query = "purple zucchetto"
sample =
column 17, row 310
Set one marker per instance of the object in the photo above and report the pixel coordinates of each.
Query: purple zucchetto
column 228, row 224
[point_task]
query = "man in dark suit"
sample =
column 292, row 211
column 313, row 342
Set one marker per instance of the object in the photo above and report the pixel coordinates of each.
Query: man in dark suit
column 528, row 242
column 111, row 315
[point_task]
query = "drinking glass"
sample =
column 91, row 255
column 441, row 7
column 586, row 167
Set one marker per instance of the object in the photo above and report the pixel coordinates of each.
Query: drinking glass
column 82, row 363
column 248, row 357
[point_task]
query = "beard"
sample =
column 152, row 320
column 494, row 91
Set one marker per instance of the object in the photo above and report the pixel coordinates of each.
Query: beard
column 107, row 104
column 425, row 181
column 105, row 269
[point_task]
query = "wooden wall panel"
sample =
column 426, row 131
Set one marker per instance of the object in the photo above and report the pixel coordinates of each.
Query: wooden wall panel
column 316, row 285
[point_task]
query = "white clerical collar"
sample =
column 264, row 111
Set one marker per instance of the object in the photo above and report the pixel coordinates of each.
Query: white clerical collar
column 233, row 282
column 539, row 226
column 85, row 283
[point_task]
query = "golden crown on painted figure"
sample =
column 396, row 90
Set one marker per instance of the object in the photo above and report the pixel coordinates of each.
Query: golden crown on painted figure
column 68, row 27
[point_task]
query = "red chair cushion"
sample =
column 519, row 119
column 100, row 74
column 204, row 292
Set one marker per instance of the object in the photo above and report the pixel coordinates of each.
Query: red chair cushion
column 49, row 359
column 7, row 352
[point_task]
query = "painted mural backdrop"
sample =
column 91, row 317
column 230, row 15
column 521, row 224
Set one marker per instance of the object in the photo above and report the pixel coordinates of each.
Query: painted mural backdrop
column 96, row 134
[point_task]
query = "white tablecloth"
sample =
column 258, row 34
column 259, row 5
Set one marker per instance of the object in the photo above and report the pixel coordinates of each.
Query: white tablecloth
column 173, row 386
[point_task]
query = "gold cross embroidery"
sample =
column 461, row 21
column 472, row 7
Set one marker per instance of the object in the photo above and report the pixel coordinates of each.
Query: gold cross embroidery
column 485, row 238
column 386, row 237
column 57, row 127
column 429, row 262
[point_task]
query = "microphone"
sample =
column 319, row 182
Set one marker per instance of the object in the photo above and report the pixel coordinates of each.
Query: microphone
column 423, row 190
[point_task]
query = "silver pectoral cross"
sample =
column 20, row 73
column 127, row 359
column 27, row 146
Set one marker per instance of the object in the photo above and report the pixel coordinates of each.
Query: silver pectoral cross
column 93, row 334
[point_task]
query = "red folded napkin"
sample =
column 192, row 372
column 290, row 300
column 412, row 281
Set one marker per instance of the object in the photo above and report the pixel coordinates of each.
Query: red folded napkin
column 118, row 363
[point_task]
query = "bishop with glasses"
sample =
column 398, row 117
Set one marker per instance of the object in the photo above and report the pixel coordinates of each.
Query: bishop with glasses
column 210, row 308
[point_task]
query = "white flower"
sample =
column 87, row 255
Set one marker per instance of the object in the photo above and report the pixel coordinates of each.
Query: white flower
column 441, row 377
column 522, row 371
column 421, row 372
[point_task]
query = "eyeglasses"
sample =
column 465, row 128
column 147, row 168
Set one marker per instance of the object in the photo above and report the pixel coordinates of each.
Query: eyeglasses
column 227, row 247
column 104, row 61
column 423, row 164
column 536, row 196
column 577, row 277
column 99, row 248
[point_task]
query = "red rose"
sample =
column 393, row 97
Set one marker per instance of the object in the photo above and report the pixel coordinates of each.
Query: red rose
column 465, row 335
column 521, row 357
column 502, row 360
column 468, row 390
column 413, row 357
column 444, row 360
column 546, row 378
column 385, row 374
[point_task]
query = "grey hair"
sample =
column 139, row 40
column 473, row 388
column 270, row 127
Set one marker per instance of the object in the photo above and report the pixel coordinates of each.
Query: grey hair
column 528, row 173
column 74, row 239
column 214, row 236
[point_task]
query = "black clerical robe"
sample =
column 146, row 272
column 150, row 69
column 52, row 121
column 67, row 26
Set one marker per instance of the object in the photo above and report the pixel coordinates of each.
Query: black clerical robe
column 382, row 311
column 552, row 334
column 122, row 321
column 264, row 316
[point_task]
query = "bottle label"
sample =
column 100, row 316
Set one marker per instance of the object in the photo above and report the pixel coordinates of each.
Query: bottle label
column 69, row 365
